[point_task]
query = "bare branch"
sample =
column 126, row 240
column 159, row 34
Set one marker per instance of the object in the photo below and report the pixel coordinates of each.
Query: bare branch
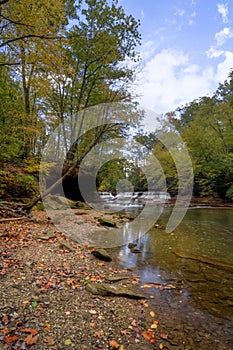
column 9, row 64
column 16, row 22
column 7, row 42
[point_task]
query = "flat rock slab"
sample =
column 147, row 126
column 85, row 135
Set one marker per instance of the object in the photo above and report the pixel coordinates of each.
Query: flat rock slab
column 101, row 254
column 66, row 245
column 116, row 278
column 105, row 289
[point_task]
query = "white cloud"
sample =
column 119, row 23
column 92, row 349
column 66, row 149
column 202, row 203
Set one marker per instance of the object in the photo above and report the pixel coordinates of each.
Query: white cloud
column 223, row 10
column 224, row 67
column 148, row 49
column 221, row 38
column 191, row 21
column 224, row 35
column 170, row 79
column 180, row 13
column 214, row 53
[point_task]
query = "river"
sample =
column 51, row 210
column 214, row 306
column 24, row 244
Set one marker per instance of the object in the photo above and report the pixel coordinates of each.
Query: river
column 188, row 277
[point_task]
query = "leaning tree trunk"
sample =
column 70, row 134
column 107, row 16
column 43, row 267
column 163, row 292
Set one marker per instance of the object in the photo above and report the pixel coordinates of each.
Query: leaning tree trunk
column 68, row 172
column 33, row 202
column 15, row 210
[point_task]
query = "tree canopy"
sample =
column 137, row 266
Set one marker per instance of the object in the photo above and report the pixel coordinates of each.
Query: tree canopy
column 58, row 58
column 206, row 126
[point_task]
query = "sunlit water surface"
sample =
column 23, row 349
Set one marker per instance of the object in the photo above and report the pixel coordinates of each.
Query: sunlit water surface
column 196, row 259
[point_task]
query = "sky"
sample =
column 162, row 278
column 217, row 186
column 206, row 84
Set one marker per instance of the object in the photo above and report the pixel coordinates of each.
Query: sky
column 186, row 51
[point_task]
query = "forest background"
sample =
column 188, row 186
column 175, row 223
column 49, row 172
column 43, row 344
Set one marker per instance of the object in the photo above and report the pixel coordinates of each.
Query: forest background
column 58, row 58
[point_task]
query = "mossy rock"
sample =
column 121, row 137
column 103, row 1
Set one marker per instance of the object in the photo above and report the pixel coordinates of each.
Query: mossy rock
column 105, row 222
column 76, row 204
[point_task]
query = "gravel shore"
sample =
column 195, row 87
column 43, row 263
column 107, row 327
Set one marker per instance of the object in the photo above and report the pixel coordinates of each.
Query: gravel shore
column 44, row 300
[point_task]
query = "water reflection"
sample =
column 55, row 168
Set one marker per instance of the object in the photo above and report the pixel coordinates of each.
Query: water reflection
column 198, row 313
column 132, row 231
column 205, row 241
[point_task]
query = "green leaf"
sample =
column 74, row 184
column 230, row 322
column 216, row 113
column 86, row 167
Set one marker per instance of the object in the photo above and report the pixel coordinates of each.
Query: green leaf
column 67, row 342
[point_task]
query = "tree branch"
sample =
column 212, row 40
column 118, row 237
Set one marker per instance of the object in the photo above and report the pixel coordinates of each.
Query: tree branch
column 9, row 64
column 9, row 41
column 16, row 22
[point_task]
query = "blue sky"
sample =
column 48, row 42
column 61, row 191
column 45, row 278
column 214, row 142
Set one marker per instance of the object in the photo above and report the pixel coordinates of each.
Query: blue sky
column 187, row 49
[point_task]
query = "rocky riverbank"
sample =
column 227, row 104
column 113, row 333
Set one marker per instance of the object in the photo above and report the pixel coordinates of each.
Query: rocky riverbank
column 45, row 301
column 210, row 201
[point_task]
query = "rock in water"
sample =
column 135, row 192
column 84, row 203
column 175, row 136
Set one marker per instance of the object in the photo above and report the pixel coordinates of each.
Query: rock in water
column 131, row 245
column 135, row 250
column 101, row 254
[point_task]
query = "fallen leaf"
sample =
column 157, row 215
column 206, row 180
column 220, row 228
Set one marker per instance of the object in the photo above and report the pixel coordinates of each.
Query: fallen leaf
column 149, row 336
column 30, row 339
column 113, row 345
column 5, row 331
column 93, row 312
column 124, row 332
column 169, row 286
column 148, row 285
column 25, row 303
column 34, row 304
column 163, row 336
column 47, row 327
column 154, row 326
column 49, row 341
column 99, row 334
column 29, row 330
column 11, row 339
column 152, row 314
column 5, row 319
column 161, row 346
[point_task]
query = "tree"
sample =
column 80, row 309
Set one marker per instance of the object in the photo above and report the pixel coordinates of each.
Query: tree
column 31, row 23
column 61, row 70
column 11, row 132
column 206, row 126
column 93, row 68
column 27, row 29
column 109, row 175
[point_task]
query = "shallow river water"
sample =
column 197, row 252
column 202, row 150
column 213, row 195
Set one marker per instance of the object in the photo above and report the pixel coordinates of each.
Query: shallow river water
column 190, row 277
